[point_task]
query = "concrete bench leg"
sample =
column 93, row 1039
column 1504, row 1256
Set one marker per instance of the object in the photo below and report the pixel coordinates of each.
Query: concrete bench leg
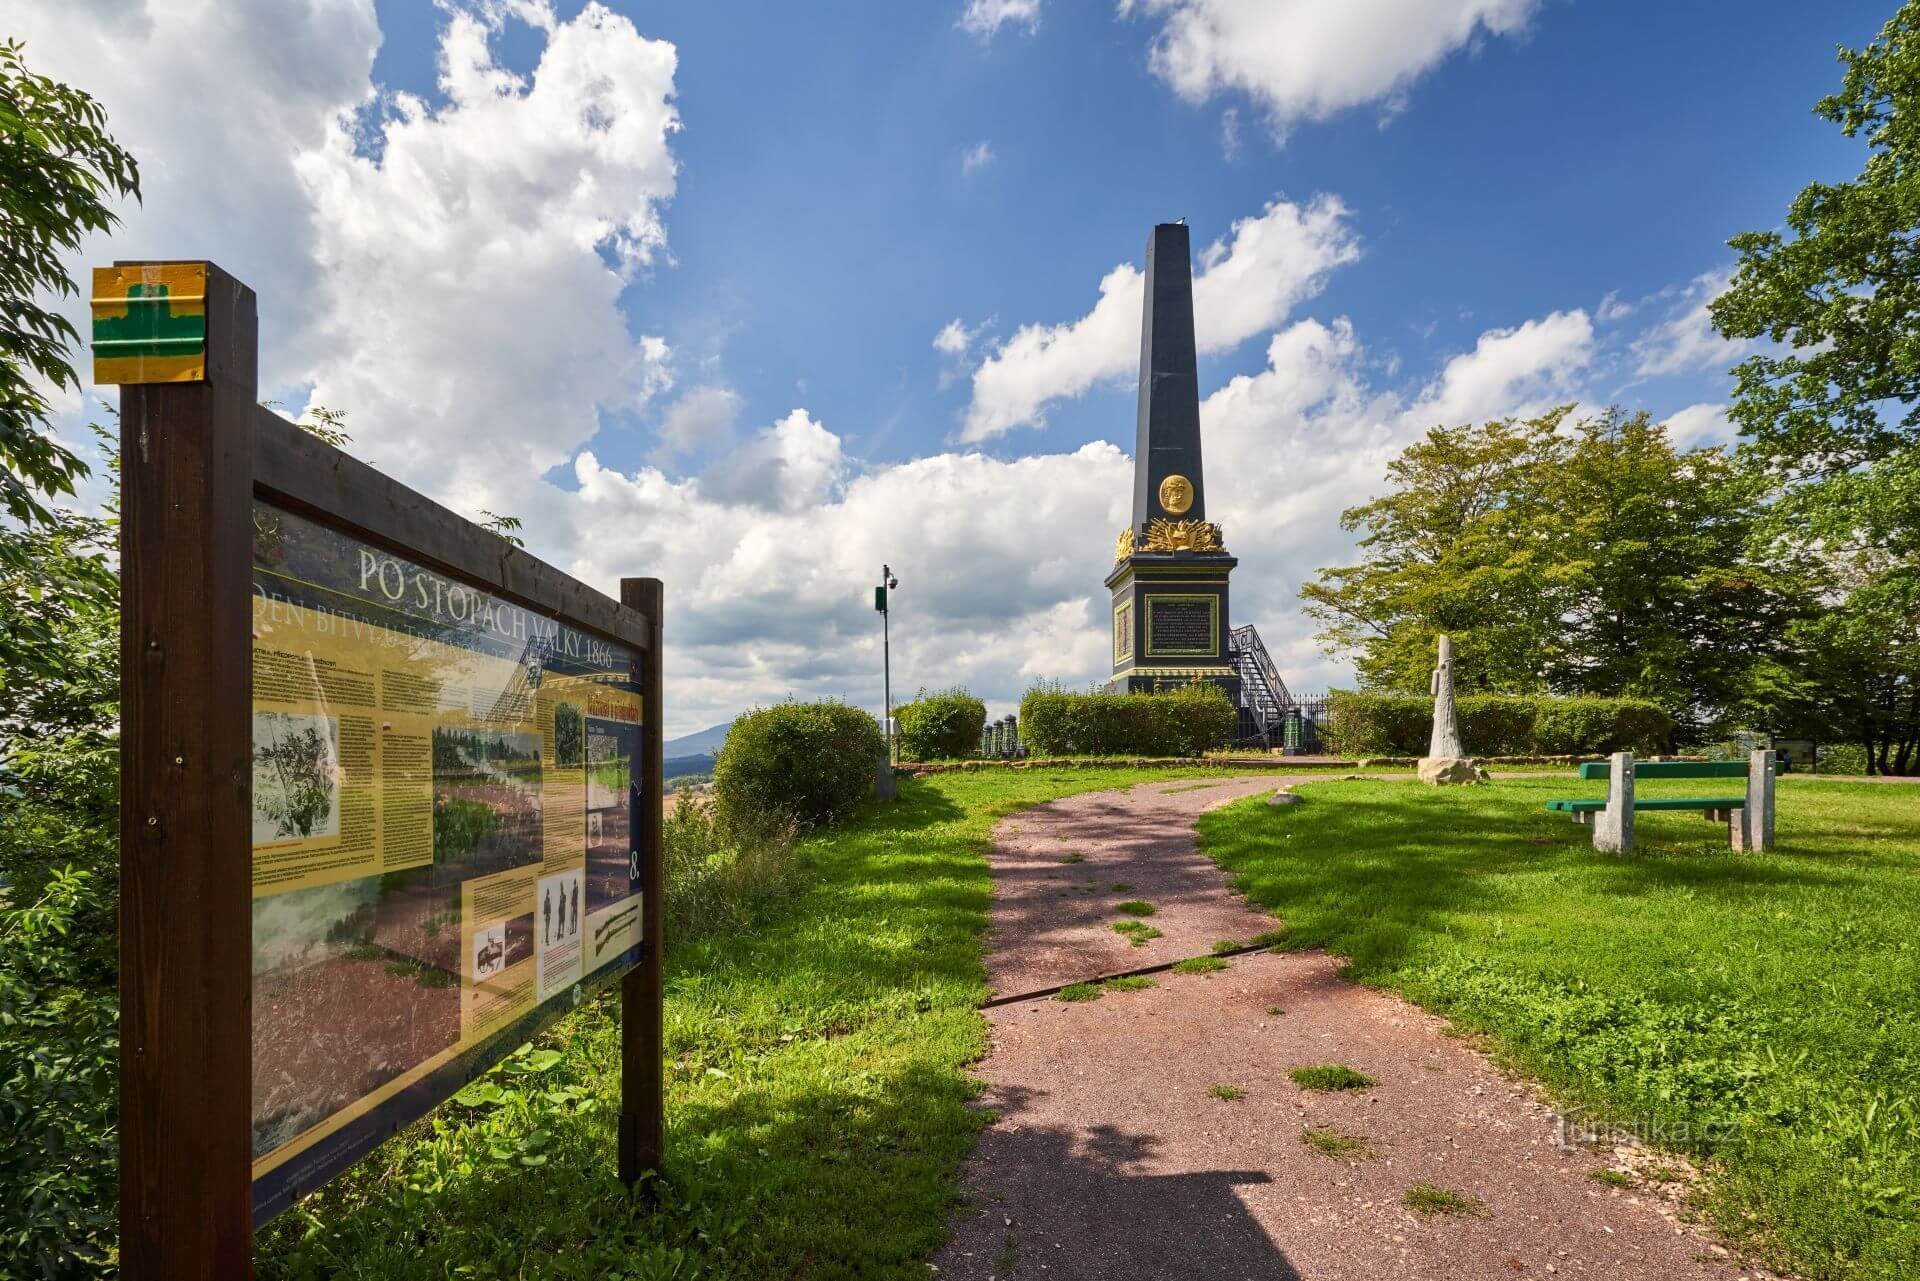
column 1752, row 827
column 1613, row 826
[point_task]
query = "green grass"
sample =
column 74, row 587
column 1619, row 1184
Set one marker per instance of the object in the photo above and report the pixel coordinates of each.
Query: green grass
column 1078, row 992
column 1341, row 1147
column 817, row 1088
column 1431, row 1198
column 1121, row 887
column 1330, row 1076
column 1139, row 931
column 1129, row 983
column 1136, row 907
column 1199, row 965
column 1611, row 1178
column 1759, row 1011
column 1222, row 946
column 1227, row 1093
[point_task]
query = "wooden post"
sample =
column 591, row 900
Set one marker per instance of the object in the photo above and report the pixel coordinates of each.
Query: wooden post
column 186, row 855
column 642, row 1102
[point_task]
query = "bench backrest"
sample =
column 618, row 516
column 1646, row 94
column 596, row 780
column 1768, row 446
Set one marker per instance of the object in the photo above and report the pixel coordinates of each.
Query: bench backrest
column 1672, row 769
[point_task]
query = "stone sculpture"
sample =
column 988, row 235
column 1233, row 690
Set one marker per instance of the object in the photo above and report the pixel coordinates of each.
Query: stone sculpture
column 1446, row 761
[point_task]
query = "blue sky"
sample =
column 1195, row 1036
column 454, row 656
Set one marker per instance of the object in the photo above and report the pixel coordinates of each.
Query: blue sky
column 755, row 296
column 825, row 225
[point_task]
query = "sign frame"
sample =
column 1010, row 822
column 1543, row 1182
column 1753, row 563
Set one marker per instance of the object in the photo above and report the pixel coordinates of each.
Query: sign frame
column 195, row 455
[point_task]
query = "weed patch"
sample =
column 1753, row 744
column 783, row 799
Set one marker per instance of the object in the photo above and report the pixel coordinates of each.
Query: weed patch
column 1330, row 1142
column 1330, row 1076
column 1199, row 965
column 1431, row 1198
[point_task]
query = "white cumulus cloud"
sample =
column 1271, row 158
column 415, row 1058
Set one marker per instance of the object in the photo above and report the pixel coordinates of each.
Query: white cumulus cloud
column 1686, row 341
column 1309, row 59
column 976, row 157
column 984, row 18
column 1242, row 286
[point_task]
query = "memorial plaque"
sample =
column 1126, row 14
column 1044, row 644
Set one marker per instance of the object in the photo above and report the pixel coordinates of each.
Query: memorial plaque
column 1182, row 625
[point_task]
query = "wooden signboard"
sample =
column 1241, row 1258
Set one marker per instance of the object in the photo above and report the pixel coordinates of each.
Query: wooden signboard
column 390, row 798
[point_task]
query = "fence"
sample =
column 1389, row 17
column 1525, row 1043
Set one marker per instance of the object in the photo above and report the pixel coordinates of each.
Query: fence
column 1001, row 738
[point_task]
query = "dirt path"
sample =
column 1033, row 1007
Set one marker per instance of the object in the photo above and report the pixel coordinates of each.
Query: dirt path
column 1111, row 1159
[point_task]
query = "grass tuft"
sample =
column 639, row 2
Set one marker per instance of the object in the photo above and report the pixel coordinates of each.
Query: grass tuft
column 1222, row 946
column 1341, row 1147
column 1227, row 1093
column 1199, row 965
column 1275, row 1010
column 1611, row 1178
column 1270, row 939
column 1129, row 983
column 1121, row 887
column 1431, row 1198
column 1136, row 907
column 1330, row 1076
column 1078, row 992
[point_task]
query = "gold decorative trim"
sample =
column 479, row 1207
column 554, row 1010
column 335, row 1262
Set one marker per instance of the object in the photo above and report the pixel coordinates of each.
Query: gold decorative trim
column 1123, row 546
column 1182, row 536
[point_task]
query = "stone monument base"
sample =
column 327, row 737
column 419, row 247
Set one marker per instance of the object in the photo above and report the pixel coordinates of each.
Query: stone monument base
column 1450, row 771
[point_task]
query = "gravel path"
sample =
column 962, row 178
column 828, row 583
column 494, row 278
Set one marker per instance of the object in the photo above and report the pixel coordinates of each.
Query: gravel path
column 1111, row 1159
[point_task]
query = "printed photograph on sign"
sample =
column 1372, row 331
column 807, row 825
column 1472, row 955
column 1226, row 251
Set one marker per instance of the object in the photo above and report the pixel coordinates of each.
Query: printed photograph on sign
column 296, row 777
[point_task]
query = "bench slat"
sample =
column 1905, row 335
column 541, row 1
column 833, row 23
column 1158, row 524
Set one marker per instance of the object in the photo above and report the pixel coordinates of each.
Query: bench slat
column 1653, row 803
column 1672, row 769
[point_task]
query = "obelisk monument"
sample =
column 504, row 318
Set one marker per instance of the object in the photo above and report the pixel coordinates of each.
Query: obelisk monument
column 1170, row 567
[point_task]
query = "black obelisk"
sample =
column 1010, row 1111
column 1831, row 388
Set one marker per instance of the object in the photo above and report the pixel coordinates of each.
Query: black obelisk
column 1169, row 579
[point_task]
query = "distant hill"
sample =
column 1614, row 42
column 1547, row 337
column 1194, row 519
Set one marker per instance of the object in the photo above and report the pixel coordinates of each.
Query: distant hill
column 705, row 743
column 694, row 753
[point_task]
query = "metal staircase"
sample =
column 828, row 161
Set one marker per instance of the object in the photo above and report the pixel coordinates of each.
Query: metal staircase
column 1264, row 697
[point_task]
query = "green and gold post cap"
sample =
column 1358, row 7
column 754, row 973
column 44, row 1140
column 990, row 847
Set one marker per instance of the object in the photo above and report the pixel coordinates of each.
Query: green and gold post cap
column 150, row 323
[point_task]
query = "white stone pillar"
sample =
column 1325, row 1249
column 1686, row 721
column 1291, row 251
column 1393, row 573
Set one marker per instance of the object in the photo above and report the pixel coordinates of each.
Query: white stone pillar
column 1753, row 826
column 1613, row 826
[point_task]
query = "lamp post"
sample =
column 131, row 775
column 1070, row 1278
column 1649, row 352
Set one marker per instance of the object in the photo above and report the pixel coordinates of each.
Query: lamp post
column 887, row 583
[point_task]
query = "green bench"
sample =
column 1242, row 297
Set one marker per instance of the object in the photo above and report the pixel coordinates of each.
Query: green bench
column 1748, row 815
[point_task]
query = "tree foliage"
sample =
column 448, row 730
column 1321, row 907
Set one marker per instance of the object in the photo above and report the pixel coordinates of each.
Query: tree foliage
column 61, row 166
column 1830, row 408
column 1563, row 556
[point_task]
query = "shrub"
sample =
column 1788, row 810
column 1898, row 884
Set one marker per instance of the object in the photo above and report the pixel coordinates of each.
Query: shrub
column 1181, row 722
column 807, row 763
column 59, row 1051
column 1496, row 724
column 718, row 871
column 941, row 726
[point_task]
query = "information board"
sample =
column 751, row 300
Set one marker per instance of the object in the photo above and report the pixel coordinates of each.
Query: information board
column 445, row 844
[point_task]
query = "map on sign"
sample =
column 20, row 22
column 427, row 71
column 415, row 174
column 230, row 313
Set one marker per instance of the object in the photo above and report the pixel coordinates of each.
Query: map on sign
column 444, row 835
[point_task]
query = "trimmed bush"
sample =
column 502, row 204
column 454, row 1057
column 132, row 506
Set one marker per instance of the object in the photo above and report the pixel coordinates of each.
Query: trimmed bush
column 809, row 763
column 942, row 726
column 1496, row 725
column 1183, row 722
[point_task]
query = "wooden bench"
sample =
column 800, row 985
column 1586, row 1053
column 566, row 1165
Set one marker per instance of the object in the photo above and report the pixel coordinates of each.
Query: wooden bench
column 1749, row 817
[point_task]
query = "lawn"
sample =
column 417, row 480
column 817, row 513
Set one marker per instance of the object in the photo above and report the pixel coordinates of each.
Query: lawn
column 1759, row 1011
column 816, row 1089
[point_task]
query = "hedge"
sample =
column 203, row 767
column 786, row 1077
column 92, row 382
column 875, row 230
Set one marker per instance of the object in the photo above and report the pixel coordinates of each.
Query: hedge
column 811, row 763
column 1182, row 722
column 1496, row 725
column 942, row 726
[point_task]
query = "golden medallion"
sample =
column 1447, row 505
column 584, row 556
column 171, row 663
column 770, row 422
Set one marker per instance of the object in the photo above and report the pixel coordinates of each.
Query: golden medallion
column 1176, row 494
